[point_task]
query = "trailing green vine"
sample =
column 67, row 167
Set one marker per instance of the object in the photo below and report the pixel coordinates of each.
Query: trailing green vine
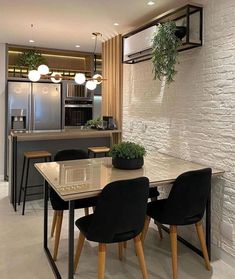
column 164, row 53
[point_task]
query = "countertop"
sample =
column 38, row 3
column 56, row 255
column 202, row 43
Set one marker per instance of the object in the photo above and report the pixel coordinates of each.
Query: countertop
column 62, row 134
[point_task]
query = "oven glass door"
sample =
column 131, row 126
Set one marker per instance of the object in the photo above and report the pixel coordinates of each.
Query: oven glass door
column 77, row 116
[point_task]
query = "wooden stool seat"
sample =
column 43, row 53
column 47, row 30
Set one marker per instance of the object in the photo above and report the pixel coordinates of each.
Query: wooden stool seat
column 98, row 149
column 37, row 154
column 25, row 173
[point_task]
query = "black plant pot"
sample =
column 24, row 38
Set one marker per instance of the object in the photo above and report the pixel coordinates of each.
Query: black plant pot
column 128, row 164
column 180, row 32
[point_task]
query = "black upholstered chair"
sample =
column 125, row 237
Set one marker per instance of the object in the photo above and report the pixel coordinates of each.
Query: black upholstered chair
column 59, row 205
column 119, row 216
column 184, row 206
column 153, row 195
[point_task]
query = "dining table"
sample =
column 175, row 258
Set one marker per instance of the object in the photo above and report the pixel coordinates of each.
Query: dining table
column 85, row 178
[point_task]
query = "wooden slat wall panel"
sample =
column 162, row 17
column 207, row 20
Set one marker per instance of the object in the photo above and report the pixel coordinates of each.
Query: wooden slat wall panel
column 112, row 87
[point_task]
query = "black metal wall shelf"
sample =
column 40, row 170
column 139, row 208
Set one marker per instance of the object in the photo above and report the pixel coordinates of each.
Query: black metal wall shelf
column 190, row 16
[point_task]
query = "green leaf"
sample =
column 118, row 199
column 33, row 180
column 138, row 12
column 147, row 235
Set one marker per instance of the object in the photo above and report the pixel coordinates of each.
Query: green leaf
column 164, row 53
column 127, row 150
column 31, row 59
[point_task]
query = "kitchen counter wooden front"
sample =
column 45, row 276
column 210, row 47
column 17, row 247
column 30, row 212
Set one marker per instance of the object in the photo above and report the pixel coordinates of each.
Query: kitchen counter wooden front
column 63, row 134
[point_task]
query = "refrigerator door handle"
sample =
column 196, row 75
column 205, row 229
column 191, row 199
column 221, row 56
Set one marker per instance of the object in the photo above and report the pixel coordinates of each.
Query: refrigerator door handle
column 34, row 112
column 29, row 113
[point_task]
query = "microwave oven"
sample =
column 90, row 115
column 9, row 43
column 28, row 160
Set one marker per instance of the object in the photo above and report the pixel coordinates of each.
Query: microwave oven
column 78, row 91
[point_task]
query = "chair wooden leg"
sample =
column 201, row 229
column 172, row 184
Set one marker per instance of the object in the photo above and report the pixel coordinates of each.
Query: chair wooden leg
column 145, row 229
column 53, row 223
column 201, row 237
column 140, row 254
column 173, row 236
column 120, row 250
column 86, row 210
column 101, row 260
column 125, row 244
column 81, row 240
column 57, row 233
column 159, row 227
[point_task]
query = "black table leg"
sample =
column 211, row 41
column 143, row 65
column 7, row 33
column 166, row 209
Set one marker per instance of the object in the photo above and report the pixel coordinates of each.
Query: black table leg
column 71, row 240
column 208, row 225
column 45, row 234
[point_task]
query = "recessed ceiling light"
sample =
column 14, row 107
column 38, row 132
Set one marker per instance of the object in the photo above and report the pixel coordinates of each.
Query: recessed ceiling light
column 31, row 41
column 116, row 24
column 150, row 3
column 77, row 46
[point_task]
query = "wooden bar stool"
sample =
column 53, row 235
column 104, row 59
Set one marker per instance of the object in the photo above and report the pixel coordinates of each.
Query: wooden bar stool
column 97, row 150
column 24, row 186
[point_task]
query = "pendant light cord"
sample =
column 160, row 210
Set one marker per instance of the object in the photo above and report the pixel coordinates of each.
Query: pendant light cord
column 94, row 53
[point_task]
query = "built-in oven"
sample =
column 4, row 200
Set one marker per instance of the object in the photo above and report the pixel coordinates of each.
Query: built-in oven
column 78, row 111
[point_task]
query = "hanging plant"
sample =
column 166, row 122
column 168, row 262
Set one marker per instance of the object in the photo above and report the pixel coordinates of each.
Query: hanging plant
column 166, row 41
column 31, row 59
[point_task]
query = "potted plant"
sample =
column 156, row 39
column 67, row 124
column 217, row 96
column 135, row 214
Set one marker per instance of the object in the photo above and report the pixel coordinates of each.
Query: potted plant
column 166, row 41
column 96, row 123
column 127, row 155
column 31, row 59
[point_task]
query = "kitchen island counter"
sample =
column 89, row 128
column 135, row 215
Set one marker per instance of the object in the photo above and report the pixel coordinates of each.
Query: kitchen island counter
column 63, row 134
column 51, row 141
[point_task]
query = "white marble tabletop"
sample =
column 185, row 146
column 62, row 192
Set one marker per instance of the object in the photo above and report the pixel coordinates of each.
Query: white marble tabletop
column 85, row 178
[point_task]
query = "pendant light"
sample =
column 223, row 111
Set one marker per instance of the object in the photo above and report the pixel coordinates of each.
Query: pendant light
column 56, row 77
column 34, row 75
column 80, row 78
column 43, row 69
column 91, row 85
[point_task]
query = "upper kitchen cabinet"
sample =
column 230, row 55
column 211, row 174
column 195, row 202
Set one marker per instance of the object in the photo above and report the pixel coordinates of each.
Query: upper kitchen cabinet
column 137, row 45
column 67, row 63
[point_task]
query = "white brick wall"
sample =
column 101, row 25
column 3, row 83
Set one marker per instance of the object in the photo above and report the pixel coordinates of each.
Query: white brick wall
column 194, row 118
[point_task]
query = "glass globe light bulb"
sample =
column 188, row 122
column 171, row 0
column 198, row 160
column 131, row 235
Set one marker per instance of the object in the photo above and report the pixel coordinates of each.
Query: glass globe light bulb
column 80, row 78
column 91, row 85
column 34, row 75
column 97, row 78
column 56, row 77
column 43, row 69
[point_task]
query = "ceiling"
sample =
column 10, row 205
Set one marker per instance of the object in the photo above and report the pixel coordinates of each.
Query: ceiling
column 63, row 24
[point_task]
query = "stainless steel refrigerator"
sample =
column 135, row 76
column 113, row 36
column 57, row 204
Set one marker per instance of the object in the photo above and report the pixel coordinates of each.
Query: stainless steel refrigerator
column 34, row 106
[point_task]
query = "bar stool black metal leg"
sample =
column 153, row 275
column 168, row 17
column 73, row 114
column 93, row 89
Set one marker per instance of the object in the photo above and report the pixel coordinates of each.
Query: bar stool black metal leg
column 26, row 184
column 94, row 155
column 21, row 183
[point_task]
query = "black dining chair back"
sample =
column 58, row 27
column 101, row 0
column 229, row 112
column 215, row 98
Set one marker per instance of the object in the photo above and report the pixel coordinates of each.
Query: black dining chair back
column 119, row 216
column 184, row 206
column 70, row 154
column 66, row 155
column 120, row 211
column 60, row 205
column 187, row 200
